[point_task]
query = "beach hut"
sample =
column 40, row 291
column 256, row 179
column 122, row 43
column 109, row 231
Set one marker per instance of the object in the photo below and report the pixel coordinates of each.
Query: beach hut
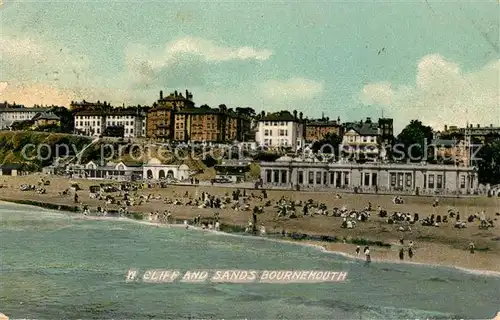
column 11, row 169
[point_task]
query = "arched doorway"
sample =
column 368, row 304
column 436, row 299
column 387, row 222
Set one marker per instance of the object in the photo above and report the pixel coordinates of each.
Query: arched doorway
column 170, row 174
column 149, row 174
column 161, row 174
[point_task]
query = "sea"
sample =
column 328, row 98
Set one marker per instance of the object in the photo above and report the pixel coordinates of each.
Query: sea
column 57, row 266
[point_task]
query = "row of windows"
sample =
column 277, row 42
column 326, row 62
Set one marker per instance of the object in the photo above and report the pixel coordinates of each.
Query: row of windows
column 98, row 123
column 108, row 117
column 359, row 139
column 275, row 123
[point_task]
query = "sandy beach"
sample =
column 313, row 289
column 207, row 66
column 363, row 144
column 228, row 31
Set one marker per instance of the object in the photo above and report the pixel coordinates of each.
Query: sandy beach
column 444, row 245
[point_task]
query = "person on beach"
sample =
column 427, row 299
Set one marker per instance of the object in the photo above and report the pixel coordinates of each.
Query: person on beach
column 402, row 241
column 186, row 224
column 358, row 249
column 472, row 247
column 401, row 254
column 410, row 245
column 367, row 255
column 410, row 253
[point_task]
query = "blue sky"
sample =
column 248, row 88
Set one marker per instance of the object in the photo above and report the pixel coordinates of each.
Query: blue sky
column 433, row 60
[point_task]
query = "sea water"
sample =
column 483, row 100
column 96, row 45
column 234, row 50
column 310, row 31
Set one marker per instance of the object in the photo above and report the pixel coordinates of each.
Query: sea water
column 55, row 266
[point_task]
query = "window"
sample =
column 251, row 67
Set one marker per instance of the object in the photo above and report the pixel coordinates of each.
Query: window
column 300, row 177
column 393, row 179
column 346, row 178
column 462, row 182
column 409, row 181
column 286, row 132
column 270, row 132
column 318, row 177
column 332, row 178
column 311, row 177
column 367, row 179
column 283, row 176
column 268, row 176
column 374, row 179
column 266, row 133
column 364, row 139
column 400, row 180
column 439, row 182
column 431, row 181
column 325, row 178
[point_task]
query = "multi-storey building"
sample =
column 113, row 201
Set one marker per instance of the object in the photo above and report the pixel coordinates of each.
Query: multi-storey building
column 476, row 132
column 205, row 124
column 318, row 129
column 281, row 129
column 11, row 113
column 161, row 119
column 361, row 139
column 451, row 151
column 176, row 118
column 95, row 122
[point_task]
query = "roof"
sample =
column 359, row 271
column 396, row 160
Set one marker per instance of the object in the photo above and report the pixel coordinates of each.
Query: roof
column 363, row 129
column 444, row 142
column 323, row 123
column 11, row 166
column 17, row 109
column 132, row 163
column 117, row 112
column 46, row 116
column 279, row 116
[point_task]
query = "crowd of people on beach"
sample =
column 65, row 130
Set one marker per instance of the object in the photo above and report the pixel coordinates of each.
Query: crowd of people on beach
column 125, row 196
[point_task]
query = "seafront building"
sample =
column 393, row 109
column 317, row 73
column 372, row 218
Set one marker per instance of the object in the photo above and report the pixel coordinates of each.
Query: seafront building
column 95, row 122
column 281, row 130
column 369, row 177
column 17, row 113
column 131, row 171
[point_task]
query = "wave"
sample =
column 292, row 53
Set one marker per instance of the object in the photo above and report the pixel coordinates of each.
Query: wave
column 264, row 238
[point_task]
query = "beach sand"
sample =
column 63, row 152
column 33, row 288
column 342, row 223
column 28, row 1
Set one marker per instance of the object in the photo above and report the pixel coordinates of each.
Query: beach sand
column 444, row 245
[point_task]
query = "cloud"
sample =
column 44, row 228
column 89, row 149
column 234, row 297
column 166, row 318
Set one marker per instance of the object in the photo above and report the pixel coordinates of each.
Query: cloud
column 30, row 59
column 181, row 57
column 291, row 89
column 442, row 94
column 30, row 94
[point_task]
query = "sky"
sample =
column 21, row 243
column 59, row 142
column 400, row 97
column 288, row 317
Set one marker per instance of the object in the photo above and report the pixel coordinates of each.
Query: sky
column 435, row 61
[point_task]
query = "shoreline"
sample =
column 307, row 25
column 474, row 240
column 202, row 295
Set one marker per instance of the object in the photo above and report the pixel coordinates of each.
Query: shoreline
column 330, row 247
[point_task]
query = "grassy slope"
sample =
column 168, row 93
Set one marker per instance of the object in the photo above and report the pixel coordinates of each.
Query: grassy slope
column 12, row 144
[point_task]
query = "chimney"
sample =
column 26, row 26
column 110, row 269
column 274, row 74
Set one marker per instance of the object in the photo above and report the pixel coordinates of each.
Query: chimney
column 161, row 94
column 338, row 119
column 187, row 94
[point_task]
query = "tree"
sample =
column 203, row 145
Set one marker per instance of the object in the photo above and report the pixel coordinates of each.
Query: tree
column 66, row 117
column 247, row 111
column 414, row 138
column 488, row 162
column 329, row 144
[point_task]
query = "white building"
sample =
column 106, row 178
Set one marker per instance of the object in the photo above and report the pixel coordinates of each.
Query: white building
column 9, row 115
column 370, row 177
column 155, row 170
column 94, row 123
column 281, row 129
column 361, row 139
